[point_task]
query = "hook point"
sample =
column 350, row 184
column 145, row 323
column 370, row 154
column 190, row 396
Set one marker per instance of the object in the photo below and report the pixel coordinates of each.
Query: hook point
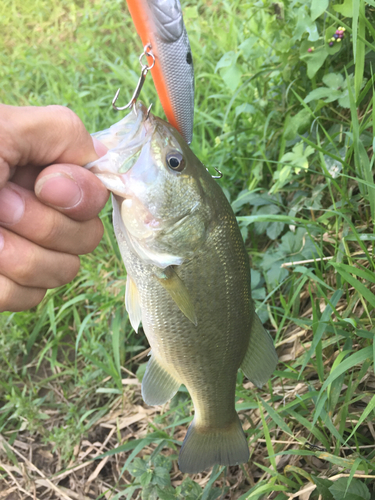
column 115, row 99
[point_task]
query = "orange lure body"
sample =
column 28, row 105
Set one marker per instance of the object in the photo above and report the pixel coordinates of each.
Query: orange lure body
column 159, row 23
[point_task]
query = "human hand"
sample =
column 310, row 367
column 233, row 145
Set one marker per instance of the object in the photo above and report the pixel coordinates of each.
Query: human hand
column 43, row 232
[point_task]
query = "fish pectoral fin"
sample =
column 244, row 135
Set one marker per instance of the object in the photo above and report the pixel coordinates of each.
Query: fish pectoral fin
column 170, row 281
column 158, row 385
column 260, row 359
column 132, row 303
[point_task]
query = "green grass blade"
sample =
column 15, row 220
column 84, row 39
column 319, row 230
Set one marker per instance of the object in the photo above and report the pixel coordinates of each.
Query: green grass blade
column 321, row 326
column 369, row 408
column 116, row 336
column 360, row 287
column 267, row 437
column 274, row 415
column 348, row 364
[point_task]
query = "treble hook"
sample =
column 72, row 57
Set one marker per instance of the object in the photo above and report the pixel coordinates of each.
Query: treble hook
column 216, row 176
column 144, row 70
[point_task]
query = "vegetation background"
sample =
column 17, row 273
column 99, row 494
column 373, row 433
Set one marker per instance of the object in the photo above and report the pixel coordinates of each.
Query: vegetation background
column 287, row 115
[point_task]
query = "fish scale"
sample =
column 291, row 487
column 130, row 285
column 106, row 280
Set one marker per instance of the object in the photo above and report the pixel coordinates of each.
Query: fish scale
column 188, row 282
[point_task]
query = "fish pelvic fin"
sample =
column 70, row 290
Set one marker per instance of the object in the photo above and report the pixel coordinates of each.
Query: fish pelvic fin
column 132, row 303
column 158, row 385
column 260, row 359
column 204, row 447
column 173, row 284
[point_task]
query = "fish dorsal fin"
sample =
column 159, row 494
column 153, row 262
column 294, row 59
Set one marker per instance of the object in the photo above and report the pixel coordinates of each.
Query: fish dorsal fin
column 132, row 303
column 170, row 281
column 158, row 385
column 260, row 359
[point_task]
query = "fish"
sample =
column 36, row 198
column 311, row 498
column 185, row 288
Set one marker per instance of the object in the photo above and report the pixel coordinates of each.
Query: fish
column 188, row 282
column 160, row 25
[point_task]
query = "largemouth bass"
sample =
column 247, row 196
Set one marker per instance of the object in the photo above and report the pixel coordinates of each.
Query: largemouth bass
column 188, row 281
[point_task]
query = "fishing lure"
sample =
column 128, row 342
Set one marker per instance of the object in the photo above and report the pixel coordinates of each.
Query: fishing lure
column 161, row 28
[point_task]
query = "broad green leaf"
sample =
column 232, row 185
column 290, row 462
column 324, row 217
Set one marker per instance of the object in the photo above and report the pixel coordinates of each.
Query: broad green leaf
column 191, row 488
column 245, row 107
column 261, row 227
column 304, row 23
column 314, row 60
column 149, row 492
column 344, row 99
column 298, row 124
column 281, row 177
column 356, row 490
column 229, row 70
column 247, row 46
column 232, row 76
column 334, row 80
column 161, row 477
column 275, row 229
column 166, row 493
column 145, row 478
column 325, row 93
column 336, row 90
column 138, row 467
column 227, row 60
column 322, row 487
column 345, row 9
column 317, row 8
column 336, row 47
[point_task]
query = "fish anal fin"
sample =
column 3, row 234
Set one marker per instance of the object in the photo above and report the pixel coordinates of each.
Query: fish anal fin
column 132, row 303
column 260, row 359
column 173, row 284
column 158, row 385
column 202, row 447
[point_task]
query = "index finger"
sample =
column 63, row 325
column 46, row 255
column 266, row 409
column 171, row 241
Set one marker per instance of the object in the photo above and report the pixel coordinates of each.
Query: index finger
column 41, row 136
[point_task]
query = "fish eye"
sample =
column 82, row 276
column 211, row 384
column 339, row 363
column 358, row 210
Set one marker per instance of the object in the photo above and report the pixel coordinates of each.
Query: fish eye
column 176, row 161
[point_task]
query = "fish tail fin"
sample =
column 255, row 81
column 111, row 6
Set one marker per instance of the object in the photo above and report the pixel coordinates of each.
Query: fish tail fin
column 202, row 448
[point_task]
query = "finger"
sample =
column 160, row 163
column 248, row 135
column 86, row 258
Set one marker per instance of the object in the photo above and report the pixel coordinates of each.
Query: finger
column 43, row 135
column 72, row 190
column 24, row 214
column 26, row 175
column 15, row 298
column 4, row 172
column 30, row 265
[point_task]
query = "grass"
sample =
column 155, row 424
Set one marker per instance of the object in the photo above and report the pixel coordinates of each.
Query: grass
column 298, row 169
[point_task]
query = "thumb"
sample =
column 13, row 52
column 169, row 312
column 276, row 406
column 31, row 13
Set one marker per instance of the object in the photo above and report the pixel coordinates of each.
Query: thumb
column 40, row 136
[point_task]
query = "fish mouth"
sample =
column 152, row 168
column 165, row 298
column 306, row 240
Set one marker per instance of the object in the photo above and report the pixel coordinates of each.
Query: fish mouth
column 127, row 134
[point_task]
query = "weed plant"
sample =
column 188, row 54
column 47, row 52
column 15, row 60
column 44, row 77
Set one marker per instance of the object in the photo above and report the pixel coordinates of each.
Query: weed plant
column 285, row 110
